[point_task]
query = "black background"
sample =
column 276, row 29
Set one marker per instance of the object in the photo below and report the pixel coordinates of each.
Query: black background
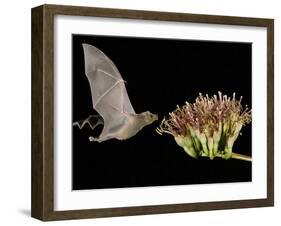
column 160, row 73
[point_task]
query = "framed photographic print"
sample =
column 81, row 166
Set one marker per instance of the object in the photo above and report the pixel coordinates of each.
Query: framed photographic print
column 141, row 112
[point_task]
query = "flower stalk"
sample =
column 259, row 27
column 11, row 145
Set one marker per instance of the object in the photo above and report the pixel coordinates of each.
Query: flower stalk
column 209, row 127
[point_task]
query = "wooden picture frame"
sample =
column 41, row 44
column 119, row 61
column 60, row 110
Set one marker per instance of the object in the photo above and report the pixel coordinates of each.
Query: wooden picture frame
column 42, row 204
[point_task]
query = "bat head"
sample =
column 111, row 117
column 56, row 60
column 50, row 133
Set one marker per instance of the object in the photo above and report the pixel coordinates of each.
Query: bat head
column 149, row 117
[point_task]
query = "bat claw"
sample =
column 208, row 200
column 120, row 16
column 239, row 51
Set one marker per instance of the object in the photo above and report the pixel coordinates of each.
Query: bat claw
column 92, row 139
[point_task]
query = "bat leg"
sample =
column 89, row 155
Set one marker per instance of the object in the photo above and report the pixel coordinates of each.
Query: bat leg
column 101, row 139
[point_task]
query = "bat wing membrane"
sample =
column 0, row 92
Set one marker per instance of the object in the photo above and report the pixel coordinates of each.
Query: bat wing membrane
column 109, row 95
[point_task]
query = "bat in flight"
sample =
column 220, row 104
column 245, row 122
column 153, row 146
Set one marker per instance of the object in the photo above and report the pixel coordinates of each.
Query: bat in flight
column 110, row 99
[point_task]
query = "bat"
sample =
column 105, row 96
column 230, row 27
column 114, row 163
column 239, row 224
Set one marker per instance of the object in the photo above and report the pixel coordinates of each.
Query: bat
column 110, row 99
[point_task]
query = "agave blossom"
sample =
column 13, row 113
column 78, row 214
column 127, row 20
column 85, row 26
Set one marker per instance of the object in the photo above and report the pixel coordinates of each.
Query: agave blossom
column 209, row 127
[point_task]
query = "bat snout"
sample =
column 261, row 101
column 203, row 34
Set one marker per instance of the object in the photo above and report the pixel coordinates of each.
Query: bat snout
column 150, row 117
column 154, row 117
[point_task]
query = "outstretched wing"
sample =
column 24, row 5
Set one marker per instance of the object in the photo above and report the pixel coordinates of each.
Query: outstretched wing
column 109, row 95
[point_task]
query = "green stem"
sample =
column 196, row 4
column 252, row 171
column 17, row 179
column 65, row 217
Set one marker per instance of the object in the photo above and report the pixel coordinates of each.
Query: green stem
column 241, row 157
column 234, row 156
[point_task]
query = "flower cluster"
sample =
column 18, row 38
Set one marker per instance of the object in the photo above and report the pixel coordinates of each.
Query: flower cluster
column 208, row 127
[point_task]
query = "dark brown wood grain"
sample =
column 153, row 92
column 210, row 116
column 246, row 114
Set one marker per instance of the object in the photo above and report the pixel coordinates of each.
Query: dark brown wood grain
column 270, row 112
column 37, row 158
column 42, row 203
column 42, row 113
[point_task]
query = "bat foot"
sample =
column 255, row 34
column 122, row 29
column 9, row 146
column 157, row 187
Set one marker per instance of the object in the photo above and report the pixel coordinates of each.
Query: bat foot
column 93, row 139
